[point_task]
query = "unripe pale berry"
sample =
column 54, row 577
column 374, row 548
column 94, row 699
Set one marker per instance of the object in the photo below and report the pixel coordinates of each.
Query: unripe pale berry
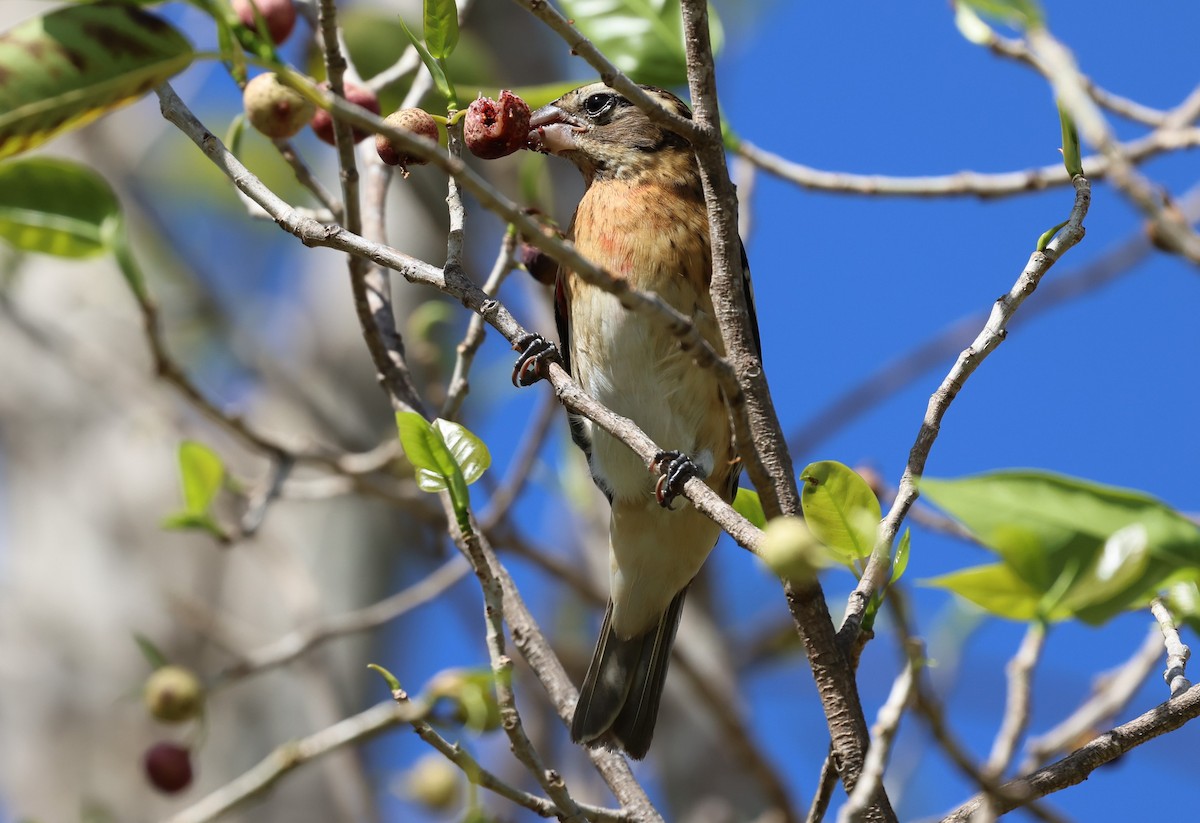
column 495, row 128
column 274, row 109
column 322, row 121
column 173, row 694
column 417, row 121
column 279, row 14
column 168, row 767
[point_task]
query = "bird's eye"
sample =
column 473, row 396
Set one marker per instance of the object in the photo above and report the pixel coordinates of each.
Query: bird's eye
column 598, row 104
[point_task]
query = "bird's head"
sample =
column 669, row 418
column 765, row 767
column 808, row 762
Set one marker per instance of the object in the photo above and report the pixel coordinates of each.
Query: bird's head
column 605, row 135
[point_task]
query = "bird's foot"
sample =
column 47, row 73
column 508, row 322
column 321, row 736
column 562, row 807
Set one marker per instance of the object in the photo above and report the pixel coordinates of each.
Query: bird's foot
column 536, row 354
column 677, row 468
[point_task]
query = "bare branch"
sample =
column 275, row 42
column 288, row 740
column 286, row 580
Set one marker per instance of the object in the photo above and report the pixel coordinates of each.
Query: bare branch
column 290, row 756
column 301, row 641
column 968, row 361
column 883, row 733
column 964, row 183
column 1018, row 704
column 1177, row 652
column 1077, row 766
column 1110, row 695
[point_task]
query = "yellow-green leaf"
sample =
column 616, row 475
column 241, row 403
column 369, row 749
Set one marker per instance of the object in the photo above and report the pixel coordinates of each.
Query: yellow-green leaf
column 996, row 589
column 840, row 508
column 202, row 472
column 64, row 69
column 748, row 505
column 57, row 207
column 468, row 451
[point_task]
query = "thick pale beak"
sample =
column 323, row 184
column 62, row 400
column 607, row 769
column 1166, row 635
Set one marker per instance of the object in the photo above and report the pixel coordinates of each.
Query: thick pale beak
column 553, row 131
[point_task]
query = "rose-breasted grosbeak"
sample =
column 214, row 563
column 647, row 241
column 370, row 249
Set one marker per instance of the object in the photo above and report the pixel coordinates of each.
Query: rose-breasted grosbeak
column 642, row 218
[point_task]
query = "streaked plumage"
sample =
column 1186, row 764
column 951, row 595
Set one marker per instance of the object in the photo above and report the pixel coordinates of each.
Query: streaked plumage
column 643, row 218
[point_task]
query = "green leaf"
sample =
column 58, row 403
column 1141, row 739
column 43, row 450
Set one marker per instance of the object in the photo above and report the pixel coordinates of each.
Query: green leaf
column 435, row 68
column 996, row 589
column 840, row 508
column 643, row 38
column 1094, row 550
column 67, row 68
column 900, row 561
column 441, row 27
column 57, row 207
column 390, row 678
column 468, row 451
column 748, row 505
column 150, row 651
column 1048, row 235
column 426, row 450
column 1072, row 159
column 202, row 473
column 1020, row 14
column 189, row 521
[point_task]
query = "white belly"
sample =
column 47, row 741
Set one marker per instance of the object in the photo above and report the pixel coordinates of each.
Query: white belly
column 636, row 368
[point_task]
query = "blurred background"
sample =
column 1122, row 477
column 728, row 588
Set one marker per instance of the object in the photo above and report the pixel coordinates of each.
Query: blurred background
column 1100, row 384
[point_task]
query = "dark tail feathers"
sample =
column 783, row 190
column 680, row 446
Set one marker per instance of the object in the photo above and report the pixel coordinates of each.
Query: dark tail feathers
column 624, row 684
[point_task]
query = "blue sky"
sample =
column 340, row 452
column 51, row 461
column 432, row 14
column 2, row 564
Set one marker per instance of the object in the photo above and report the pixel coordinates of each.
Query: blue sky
column 1103, row 388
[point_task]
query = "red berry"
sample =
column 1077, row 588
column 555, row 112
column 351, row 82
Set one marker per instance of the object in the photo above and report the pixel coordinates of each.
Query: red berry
column 279, row 14
column 496, row 128
column 417, row 121
column 168, row 767
column 322, row 122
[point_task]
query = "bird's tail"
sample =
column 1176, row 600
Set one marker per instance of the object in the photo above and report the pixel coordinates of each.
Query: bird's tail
column 624, row 683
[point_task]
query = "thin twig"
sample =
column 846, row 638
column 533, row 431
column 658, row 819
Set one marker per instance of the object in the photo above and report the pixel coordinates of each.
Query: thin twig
column 900, row 371
column 1077, row 766
column 290, row 756
column 1177, row 653
column 1018, row 703
column 964, row 183
column 827, row 781
column 510, row 718
column 459, row 384
column 1111, row 693
column 307, row 179
column 502, row 499
column 883, row 733
column 301, row 641
column 1172, row 232
column 993, row 333
column 480, row 776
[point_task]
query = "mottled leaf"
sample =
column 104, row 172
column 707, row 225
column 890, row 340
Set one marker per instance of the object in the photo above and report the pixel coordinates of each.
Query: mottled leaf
column 64, row 69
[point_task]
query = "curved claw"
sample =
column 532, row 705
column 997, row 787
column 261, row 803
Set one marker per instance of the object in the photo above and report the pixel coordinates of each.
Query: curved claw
column 536, row 353
column 677, row 468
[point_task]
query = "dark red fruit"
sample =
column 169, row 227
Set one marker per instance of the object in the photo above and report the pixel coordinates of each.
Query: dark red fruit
column 417, row 121
column 279, row 14
column 496, row 128
column 322, row 122
column 168, row 767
